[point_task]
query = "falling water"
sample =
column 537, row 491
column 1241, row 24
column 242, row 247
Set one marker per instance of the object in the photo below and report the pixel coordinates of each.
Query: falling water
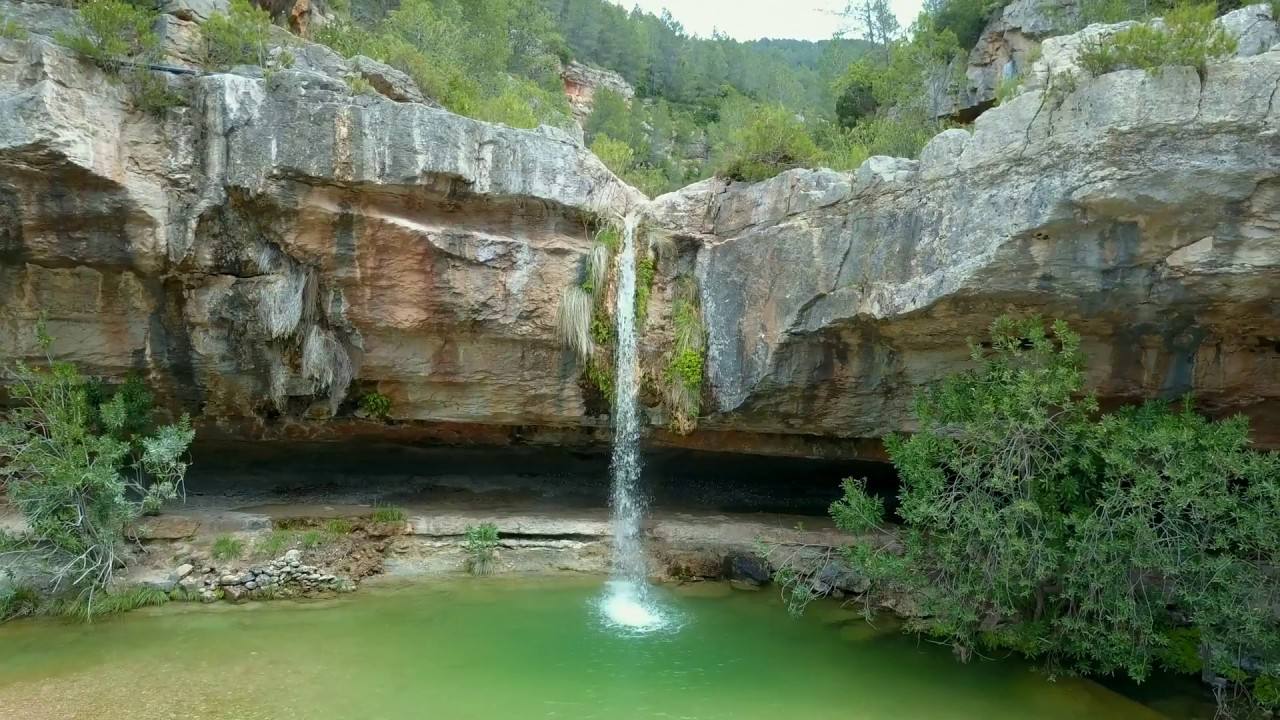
column 628, row 601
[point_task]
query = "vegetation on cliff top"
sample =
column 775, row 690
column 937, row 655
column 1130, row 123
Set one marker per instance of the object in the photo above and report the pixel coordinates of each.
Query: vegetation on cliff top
column 1099, row 543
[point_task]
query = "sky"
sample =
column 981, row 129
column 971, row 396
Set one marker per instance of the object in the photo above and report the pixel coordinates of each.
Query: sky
column 751, row 19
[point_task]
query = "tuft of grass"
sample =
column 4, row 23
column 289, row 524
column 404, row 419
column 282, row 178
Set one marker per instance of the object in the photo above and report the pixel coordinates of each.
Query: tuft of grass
column 388, row 514
column 573, row 321
column 274, row 545
column 18, row 601
column 227, row 547
column 597, row 270
column 481, row 546
column 339, row 526
column 683, row 376
column 360, row 86
column 645, row 270
column 312, row 539
column 12, row 31
column 91, row 605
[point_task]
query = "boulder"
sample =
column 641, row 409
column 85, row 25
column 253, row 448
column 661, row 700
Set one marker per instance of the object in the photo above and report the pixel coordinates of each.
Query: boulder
column 387, row 80
column 746, row 569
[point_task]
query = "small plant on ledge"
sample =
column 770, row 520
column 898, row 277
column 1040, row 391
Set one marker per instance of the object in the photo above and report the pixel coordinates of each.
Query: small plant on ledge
column 376, row 405
column 388, row 514
column 481, row 547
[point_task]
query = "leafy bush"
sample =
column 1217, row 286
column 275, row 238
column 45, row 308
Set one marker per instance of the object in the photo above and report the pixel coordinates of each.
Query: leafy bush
column 769, row 140
column 227, row 547
column 79, row 468
column 360, row 86
column 481, row 547
column 376, row 405
column 239, row 37
column 1099, row 543
column 645, row 270
column 1189, row 36
column 111, row 32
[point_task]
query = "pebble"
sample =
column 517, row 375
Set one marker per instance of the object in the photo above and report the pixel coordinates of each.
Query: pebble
column 184, row 570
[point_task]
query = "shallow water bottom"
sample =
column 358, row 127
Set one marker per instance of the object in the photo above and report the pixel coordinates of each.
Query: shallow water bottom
column 494, row 648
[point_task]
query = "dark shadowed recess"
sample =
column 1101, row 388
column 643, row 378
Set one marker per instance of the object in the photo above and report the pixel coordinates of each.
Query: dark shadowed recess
column 548, row 477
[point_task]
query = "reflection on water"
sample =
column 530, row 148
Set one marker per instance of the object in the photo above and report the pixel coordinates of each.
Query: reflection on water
column 496, row 648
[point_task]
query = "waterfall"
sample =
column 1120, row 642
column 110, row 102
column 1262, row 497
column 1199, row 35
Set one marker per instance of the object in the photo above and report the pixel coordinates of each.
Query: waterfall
column 628, row 601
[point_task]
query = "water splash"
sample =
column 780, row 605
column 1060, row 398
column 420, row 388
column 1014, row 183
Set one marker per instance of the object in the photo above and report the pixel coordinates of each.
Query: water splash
column 628, row 602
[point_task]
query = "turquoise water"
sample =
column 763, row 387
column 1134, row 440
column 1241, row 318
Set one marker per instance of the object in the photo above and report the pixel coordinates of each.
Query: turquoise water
column 493, row 648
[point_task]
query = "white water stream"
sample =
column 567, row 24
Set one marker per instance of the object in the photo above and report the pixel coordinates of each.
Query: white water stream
column 628, row 601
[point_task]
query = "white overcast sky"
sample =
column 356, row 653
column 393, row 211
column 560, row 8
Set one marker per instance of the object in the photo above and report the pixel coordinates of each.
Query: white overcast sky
column 751, row 19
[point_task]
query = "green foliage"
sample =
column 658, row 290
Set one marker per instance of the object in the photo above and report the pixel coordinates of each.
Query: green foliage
column 389, row 514
column 240, row 37
column 600, row 375
column 376, row 405
column 1266, row 692
column 645, row 270
column 964, row 18
column 615, row 154
column 227, row 547
column 682, row 378
column 110, row 32
column 1099, row 543
column 12, row 31
column 1007, row 88
column 360, row 86
column 110, row 603
column 481, row 547
column 1189, row 36
column 494, row 60
column 79, row 468
column 18, row 601
column 118, row 36
column 760, row 142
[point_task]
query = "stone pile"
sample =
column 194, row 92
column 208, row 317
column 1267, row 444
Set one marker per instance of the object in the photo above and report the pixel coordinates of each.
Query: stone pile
column 286, row 575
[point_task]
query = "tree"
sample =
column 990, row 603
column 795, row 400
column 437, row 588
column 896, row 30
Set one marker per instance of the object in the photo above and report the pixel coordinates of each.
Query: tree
column 1098, row 543
column 80, row 462
column 874, row 21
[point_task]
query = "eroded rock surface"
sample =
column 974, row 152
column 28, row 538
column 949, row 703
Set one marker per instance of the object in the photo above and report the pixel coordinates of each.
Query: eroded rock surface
column 1143, row 209
column 276, row 248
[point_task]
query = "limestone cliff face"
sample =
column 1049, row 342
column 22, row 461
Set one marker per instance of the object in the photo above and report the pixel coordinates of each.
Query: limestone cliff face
column 278, row 247
column 1143, row 209
column 278, row 243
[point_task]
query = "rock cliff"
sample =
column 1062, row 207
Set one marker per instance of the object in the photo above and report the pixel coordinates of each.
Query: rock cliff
column 277, row 247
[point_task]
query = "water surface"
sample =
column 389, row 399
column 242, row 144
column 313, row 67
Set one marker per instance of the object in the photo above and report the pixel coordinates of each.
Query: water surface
column 496, row 648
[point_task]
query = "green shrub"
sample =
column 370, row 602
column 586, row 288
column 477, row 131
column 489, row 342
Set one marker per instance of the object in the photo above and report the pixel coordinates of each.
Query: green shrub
column 360, row 86
column 481, row 547
column 376, row 405
column 112, row 32
column 615, row 154
column 240, row 37
column 11, row 30
column 389, row 514
column 79, row 473
column 772, row 139
column 1099, row 543
column 227, row 547
column 1189, row 36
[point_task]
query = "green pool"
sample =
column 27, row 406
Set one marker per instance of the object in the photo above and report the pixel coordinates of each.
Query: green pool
column 494, row 648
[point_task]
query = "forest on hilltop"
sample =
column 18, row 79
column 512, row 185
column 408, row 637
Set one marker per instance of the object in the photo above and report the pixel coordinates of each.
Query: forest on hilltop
column 704, row 106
